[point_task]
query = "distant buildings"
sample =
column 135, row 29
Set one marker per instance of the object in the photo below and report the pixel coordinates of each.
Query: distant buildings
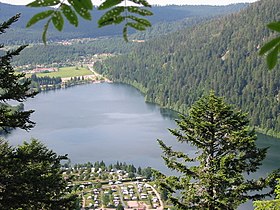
column 41, row 70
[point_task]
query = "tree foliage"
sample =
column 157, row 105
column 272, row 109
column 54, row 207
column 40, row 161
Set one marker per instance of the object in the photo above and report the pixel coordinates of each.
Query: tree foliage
column 72, row 9
column 31, row 178
column 120, row 207
column 221, row 54
column 213, row 177
column 13, row 87
column 30, row 175
column 272, row 48
column 270, row 204
column 118, row 14
column 165, row 19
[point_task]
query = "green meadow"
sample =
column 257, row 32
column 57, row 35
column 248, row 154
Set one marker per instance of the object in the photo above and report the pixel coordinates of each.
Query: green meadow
column 66, row 72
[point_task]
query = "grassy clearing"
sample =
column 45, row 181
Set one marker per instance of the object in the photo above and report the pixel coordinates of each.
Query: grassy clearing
column 67, row 72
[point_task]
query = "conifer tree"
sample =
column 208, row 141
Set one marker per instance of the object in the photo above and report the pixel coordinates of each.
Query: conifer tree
column 214, row 178
column 31, row 178
column 270, row 204
column 30, row 175
column 13, row 87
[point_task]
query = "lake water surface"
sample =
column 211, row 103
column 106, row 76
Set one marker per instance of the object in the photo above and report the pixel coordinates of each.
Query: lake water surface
column 110, row 122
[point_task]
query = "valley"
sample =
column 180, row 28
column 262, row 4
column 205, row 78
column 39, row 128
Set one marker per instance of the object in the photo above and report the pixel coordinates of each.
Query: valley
column 181, row 101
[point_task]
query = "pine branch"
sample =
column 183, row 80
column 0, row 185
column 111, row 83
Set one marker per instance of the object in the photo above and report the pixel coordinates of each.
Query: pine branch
column 6, row 24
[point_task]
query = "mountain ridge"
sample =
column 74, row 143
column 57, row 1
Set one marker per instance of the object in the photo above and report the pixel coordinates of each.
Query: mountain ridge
column 90, row 29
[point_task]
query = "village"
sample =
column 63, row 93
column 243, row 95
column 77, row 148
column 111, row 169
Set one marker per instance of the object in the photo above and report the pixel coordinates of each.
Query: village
column 112, row 188
column 54, row 76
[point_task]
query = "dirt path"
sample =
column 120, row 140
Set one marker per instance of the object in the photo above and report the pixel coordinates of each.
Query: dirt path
column 158, row 196
column 97, row 75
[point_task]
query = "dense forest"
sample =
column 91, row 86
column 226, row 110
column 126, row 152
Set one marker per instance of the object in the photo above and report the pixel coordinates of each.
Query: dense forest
column 225, row 145
column 221, row 55
column 76, row 52
column 165, row 20
column 164, row 14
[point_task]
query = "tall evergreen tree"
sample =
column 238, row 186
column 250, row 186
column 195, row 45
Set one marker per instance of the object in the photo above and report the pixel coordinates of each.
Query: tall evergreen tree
column 31, row 178
column 214, row 178
column 13, row 87
column 30, row 175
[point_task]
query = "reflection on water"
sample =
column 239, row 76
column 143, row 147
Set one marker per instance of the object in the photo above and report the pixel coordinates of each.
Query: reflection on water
column 272, row 160
column 99, row 122
column 169, row 114
column 111, row 122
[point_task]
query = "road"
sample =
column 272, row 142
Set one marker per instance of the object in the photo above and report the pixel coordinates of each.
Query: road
column 96, row 74
column 158, row 196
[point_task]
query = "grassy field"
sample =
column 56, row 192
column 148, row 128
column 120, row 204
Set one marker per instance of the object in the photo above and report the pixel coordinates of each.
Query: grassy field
column 67, row 72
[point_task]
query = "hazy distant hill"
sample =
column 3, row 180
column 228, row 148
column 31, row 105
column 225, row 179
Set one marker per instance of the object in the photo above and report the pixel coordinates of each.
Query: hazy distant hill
column 89, row 29
column 221, row 54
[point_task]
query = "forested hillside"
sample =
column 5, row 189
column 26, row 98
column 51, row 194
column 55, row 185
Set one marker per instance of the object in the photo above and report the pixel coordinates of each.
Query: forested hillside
column 165, row 20
column 221, row 54
column 165, row 14
column 74, row 50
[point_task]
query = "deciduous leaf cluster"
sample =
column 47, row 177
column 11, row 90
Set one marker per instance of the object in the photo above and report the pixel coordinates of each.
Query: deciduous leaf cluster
column 222, row 54
column 71, row 9
column 272, row 48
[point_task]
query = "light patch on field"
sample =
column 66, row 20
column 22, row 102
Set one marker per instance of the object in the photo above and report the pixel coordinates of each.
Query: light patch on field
column 65, row 72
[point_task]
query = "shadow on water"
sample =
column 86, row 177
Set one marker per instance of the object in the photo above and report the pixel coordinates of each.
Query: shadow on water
column 169, row 114
column 112, row 122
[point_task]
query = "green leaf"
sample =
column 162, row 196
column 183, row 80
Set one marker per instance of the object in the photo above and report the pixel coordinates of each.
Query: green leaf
column 109, row 3
column 137, row 26
column 39, row 16
column 58, row 20
column 116, row 11
column 112, row 15
column 44, row 35
column 140, row 11
column 110, row 21
column 43, row 3
column 268, row 46
column 69, row 14
column 141, row 2
column 80, row 9
column 274, row 26
column 125, row 33
column 272, row 57
column 87, row 3
column 142, row 21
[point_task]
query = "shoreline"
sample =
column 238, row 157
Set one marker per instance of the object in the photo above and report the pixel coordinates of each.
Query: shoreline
column 66, row 82
column 264, row 131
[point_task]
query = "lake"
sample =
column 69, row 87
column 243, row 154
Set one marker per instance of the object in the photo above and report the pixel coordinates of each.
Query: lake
column 110, row 122
column 95, row 122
